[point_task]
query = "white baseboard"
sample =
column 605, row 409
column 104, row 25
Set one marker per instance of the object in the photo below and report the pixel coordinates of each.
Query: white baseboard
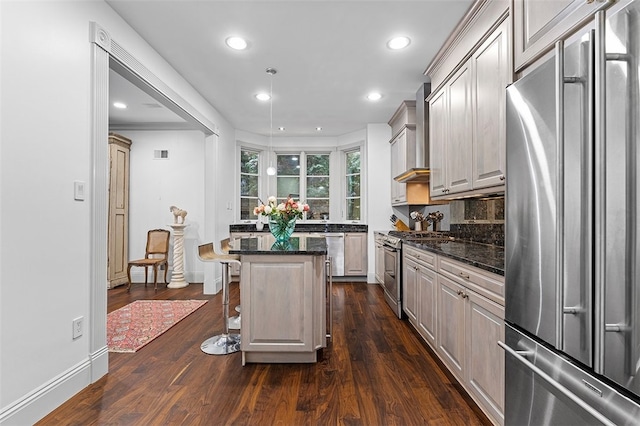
column 43, row 400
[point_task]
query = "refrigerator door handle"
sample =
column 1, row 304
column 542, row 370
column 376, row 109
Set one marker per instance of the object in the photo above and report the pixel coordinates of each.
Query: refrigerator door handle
column 560, row 81
column 575, row 92
column 616, row 328
column 551, row 381
column 600, row 192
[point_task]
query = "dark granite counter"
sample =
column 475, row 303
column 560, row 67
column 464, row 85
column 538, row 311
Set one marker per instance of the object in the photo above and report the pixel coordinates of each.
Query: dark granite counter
column 312, row 246
column 305, row 227
column 484, row 256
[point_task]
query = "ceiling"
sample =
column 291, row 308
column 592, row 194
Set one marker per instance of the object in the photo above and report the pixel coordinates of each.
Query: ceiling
column 328, row 55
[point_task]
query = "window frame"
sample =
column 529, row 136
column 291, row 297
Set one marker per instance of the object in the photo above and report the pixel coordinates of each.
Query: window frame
column 263, row 161
column 345, row 174
column 337, row 167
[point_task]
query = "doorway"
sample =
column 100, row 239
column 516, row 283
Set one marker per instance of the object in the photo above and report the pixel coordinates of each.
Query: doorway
column 108, row 55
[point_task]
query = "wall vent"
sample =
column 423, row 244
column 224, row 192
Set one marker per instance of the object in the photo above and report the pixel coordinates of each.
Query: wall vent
column 161, row 154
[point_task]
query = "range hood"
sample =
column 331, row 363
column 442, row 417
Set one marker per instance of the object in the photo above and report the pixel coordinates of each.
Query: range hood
column 421, row 171
column 414, row 174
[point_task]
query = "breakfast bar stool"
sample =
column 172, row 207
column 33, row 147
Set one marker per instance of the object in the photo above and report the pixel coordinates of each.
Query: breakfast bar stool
column 224, row 343
column 234, row 322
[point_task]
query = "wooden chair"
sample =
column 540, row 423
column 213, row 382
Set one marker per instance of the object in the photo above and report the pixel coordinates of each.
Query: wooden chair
column 224, row 343
column 156, row 255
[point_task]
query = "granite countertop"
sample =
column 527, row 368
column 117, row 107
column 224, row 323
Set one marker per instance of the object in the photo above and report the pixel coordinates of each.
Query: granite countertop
column 264, row 245
column 484, row 256
column 305, row 227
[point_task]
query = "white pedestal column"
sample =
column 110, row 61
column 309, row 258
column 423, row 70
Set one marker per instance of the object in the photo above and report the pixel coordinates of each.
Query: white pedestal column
column 177, row 275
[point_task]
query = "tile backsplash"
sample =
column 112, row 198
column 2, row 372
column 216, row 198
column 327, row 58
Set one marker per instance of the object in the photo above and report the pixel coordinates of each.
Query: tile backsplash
column 480, row 220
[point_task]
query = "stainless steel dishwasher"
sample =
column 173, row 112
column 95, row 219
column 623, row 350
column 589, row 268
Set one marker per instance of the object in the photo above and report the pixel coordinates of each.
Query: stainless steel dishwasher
column 335, row 250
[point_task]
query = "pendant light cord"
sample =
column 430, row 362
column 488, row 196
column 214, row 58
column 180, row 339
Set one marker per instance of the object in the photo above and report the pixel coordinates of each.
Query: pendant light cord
column 271, row 116
column 271, row 170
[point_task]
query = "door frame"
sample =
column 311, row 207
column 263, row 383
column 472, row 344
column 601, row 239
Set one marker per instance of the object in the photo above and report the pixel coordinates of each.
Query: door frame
column 107, row 54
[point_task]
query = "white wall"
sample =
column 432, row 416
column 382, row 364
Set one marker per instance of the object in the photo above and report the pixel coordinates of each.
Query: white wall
column 156, row 184
column 45, row 249
column 378, row 186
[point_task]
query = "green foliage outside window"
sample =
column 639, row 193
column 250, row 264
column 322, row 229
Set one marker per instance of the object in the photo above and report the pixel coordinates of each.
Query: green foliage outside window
column 249, row 182
column 353, row 185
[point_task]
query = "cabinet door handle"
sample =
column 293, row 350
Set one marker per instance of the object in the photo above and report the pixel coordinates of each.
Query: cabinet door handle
column 465, row 276
column 502, row 177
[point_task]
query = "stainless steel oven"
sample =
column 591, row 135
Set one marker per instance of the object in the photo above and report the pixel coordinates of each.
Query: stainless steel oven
column 392, row 282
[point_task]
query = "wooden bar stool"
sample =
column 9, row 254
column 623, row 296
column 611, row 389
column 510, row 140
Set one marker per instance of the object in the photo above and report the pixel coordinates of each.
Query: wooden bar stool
column 224, row 343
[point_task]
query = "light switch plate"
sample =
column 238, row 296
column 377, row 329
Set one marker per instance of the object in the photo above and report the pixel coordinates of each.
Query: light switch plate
column 78, row 190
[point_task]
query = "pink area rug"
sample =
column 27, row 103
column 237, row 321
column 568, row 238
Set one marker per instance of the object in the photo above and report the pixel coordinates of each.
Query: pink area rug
column 138, row 323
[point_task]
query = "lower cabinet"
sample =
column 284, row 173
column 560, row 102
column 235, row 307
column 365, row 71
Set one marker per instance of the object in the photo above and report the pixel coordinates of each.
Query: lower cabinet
column 419, row 292
column 427, row 308
column 355, row 253
column 410, row 289
column 451, row 325
column 461, row 325
column 484, row 320
column 379, row 251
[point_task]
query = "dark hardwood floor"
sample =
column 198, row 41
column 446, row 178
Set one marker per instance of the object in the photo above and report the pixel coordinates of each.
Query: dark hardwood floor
column 376, row 371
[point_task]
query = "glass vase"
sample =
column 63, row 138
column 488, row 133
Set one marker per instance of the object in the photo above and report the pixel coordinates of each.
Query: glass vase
column 281, row 228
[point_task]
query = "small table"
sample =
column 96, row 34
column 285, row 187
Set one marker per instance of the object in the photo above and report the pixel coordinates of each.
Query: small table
column 283, row 291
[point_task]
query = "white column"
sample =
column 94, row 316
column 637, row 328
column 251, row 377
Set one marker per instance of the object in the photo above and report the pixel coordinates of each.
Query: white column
column 177, row 275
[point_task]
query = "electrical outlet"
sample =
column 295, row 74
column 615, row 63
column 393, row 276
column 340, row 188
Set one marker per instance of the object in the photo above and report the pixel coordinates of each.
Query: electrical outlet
column 77, row 327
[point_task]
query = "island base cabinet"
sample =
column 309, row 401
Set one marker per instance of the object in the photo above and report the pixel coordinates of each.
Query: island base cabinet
column 283, row 308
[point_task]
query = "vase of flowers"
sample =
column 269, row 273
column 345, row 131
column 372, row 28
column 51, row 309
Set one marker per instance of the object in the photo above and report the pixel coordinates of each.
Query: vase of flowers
column 282, row 216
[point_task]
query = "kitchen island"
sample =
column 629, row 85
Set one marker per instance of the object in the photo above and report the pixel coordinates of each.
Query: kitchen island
column 283, row 292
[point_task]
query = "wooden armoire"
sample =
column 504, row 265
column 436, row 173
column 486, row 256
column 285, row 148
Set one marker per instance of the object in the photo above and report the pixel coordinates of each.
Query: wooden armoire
column 118, row 237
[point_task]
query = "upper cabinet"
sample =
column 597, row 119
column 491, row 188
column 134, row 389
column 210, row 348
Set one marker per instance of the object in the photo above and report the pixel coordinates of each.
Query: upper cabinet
column 491, row 74
column 467, row 122
column 403, row 153
column 438, row 135
column 460, row 143
column 537, row 25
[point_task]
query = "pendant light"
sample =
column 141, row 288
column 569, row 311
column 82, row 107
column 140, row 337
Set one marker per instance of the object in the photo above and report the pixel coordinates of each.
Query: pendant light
column 271, row 171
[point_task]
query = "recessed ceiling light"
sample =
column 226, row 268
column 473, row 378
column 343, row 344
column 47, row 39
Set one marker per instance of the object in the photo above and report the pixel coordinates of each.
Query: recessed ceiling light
column 319, row 129
column 120, row 105
column 374, row 96
column 398, row 43
column 237, row 43
column 263, row 96
column 281, row 129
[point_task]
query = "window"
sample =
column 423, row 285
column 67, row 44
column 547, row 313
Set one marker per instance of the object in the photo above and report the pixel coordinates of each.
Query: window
column 318, row 186
column 249, row 168
column 305, row 177
column 288, row 176
column 353, row 185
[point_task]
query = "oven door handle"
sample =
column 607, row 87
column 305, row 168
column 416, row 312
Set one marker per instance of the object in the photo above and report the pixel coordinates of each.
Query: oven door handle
column 390, row 249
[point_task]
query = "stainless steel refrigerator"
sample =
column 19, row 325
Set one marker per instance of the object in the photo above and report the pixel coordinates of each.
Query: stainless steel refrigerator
column 572, row 338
